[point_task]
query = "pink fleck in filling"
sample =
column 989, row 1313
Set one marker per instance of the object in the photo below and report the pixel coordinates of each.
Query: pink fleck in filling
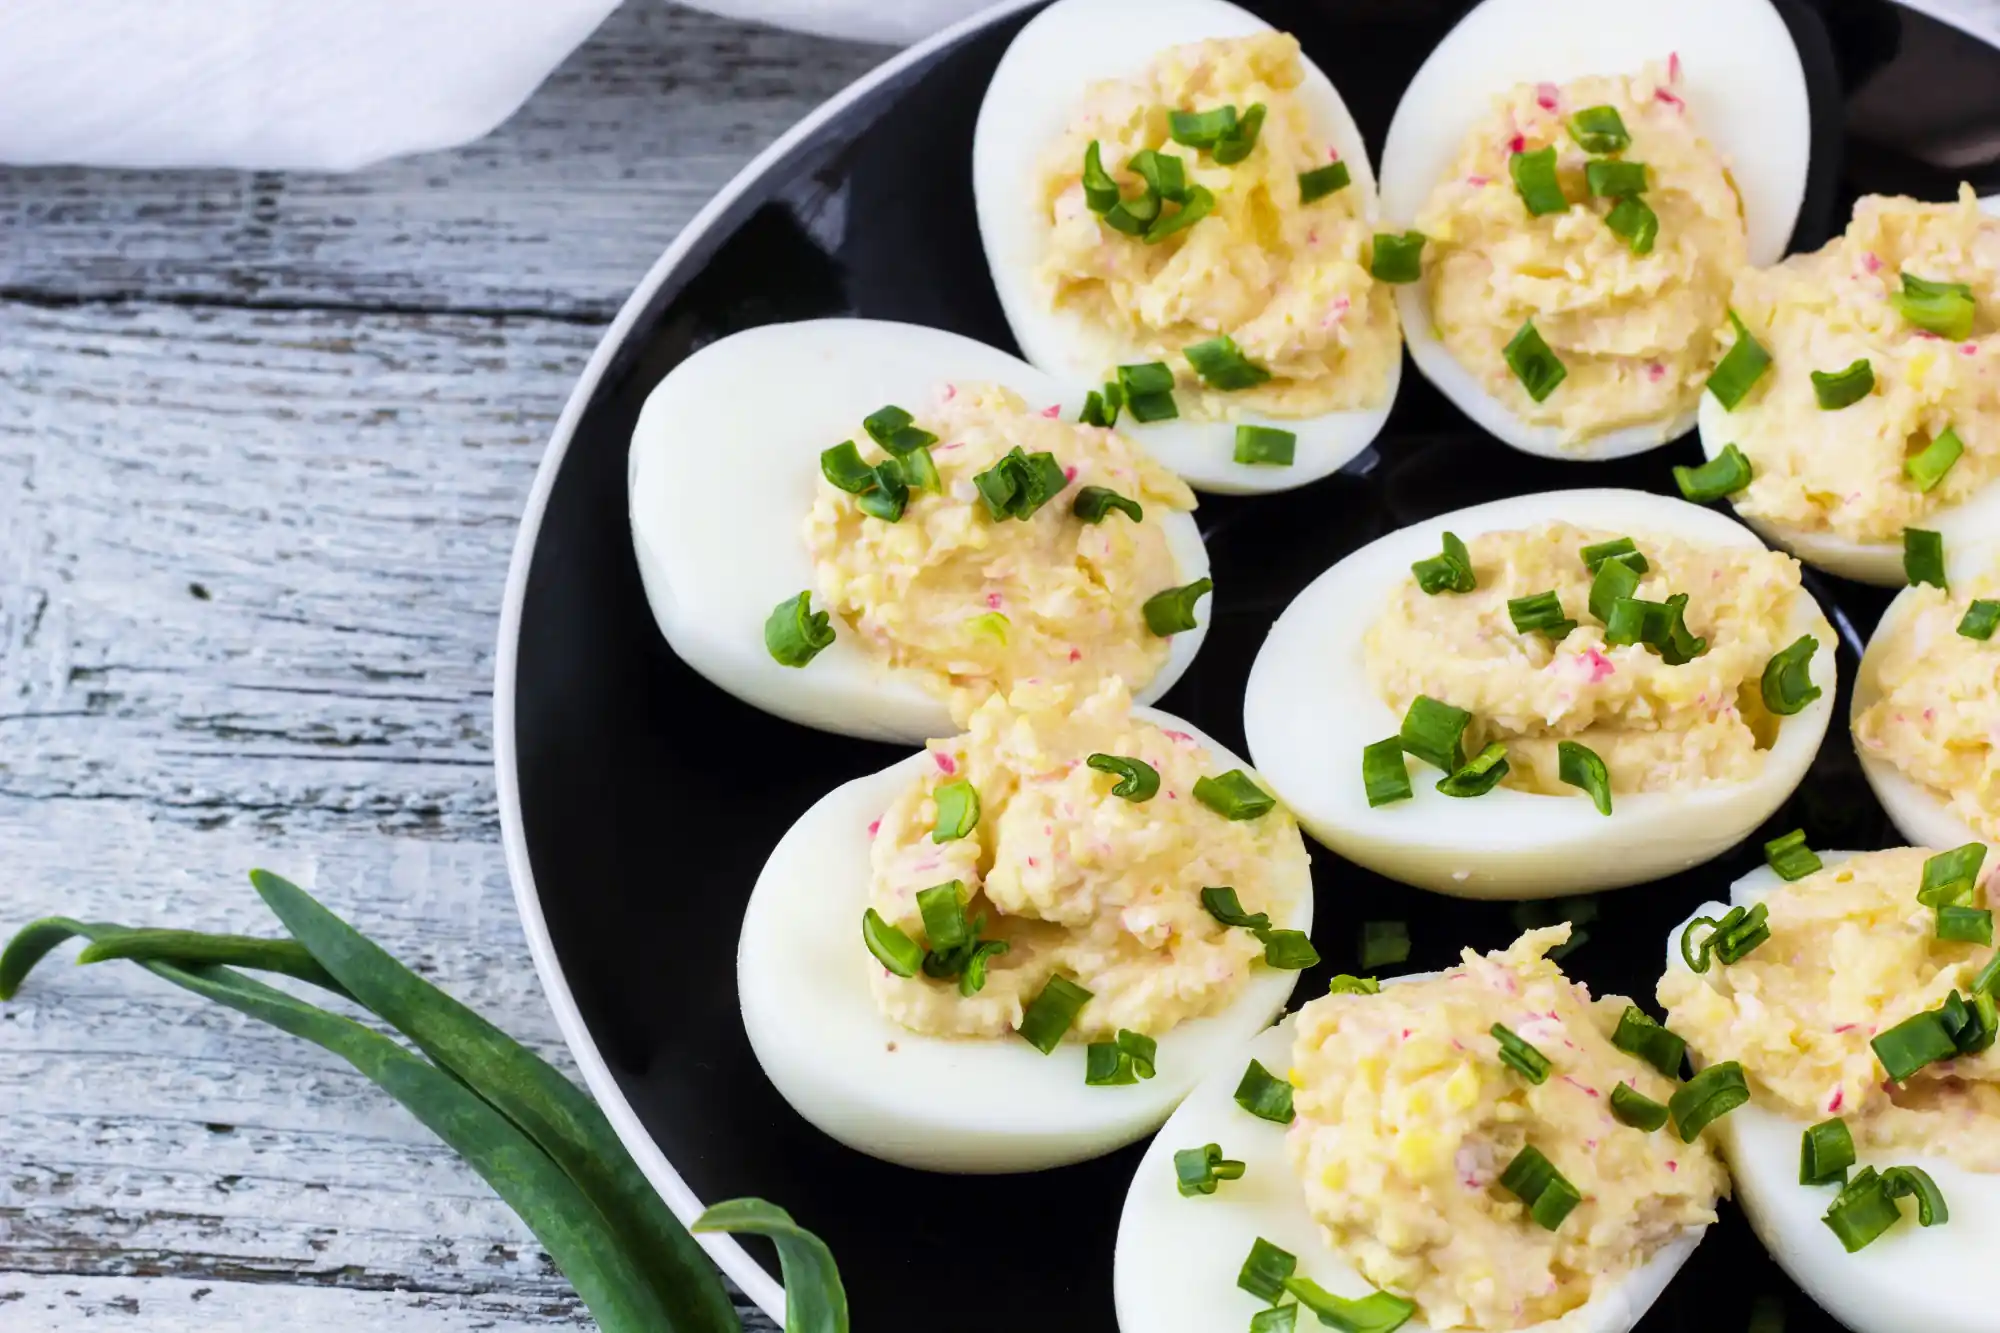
column 1673, row 67
column 1670, row 99
column 874, row 828
column 1656, row 372
column 1052, row 411
column 1333, row 155
column 1583, row 1086
column 1180, row 736
column 1069, row 473
column 1835, row 1102
column 1076, row 654
column 993, row 600
column 950, row 392
column 945, row 764
column 1600, row 665
column 1518, row 144
column 1673, row 1166
column 1547, row 96
column 1970, row 349
column 1478, row 182
column 1872, row 262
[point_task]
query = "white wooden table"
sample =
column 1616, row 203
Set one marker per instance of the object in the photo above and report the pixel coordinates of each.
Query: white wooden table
column 263, row 442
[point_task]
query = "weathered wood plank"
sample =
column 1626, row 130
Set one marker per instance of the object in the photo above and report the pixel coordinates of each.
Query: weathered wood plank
column 71, row 1304
column 559, row 212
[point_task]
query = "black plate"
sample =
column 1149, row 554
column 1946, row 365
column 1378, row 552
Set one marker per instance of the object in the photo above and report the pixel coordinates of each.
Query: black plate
column 648, row 799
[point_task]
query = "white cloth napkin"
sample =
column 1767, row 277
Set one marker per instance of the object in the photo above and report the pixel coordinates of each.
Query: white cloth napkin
column 307, row 84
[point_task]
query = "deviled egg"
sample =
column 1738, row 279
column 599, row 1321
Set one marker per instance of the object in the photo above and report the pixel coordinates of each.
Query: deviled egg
column 1584, row 192
column 1927, row 704
column 1023, row 946
column 1477, row 1149
column 1598, row 687
column 1177, row 210
column 1861, row 393
column 870, row 528
column 1863, row 1042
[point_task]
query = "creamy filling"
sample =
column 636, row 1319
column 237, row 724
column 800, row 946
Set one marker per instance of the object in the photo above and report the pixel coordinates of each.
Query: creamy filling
column 1635, row 332
column 1842, row 471
column 1851, row 953
column 1656, row 727
column 1098, row 889
column 973, row 605
column 1406, row 1117
column 1287, row 280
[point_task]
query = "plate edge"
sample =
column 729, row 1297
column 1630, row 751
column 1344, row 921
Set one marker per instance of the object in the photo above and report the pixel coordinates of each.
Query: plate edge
column 730, row 1256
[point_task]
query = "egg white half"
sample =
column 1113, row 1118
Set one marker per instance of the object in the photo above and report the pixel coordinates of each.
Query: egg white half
column 1930, row 1278
column 1914, row 809
column 1880, row 563
column 932, row 1102
column 1040, row 81
column 1177, row 1258
column 1310, row 709
column 723, row 471
column 1743, row 83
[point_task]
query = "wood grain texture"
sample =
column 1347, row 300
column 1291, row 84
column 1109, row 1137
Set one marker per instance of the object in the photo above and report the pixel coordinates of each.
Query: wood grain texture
column 264, row 441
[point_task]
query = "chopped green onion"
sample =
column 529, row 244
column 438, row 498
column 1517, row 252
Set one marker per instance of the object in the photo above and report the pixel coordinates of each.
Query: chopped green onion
column 1787, row 684
column 1614, row 582
column 893, row 429
column 1264, row 1272
column 1790, row 857
column 1943, row 308
column 1397, row 258
column 1450, row 572
column 1862, row 1211
column 1534, row 1180
column 1200, row 129
column 1826, row 1151
column 1222, row 904
column 1100, row 190
column 1144, row 1051
column 1137, row 779
column 1263, row 1096
column 957, row 810
column 1478, row 775
column 1974, row 1024
column 1614, row 179
column 919, row 469
column 1723, row 475
column 1836, row 389
column 1579, row 766
column 1622, row 549
column 1222, row 365
column 1380, row 1312
column 1951, row 877
column 1599, row 129
column 1739, row 932
column 1923, row 557
column 1101, row 408
column 990, row 626
column 1346, row 983
column 1918, row 1040
column 1199, row 1170
column 1149, row 391
column 1384, row 943
column 943, row 911
column 842, row 466
column 1538, row 368
column 1320, row 182
column 1092, row 503
column 1904, row 1182
column 1172, row 612
column 1639, row 1034
column 1706, row 1098
column 972, row 971
column 1051, row 1013
column 1540, row 614
column 1535, row 179
column 891, row 947
column 1164, row 174
column 1132, row 216
column 1519, row 1056
column 1435, row 733
column 1981, row 619
column 1236, row 142
column 1106, row 1066
column 1926, row 469
column 1987, row 980
column 1740, row 368
column 1384, row 774
column 1966, row 925
column 1020, row 484
column 1661, row 626
column 1288, row 950
column 1198, row 205
column 1234, row 795
column 794, row 633
column 1632, row 220
column 1629, row 1106
column 1265, row 444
